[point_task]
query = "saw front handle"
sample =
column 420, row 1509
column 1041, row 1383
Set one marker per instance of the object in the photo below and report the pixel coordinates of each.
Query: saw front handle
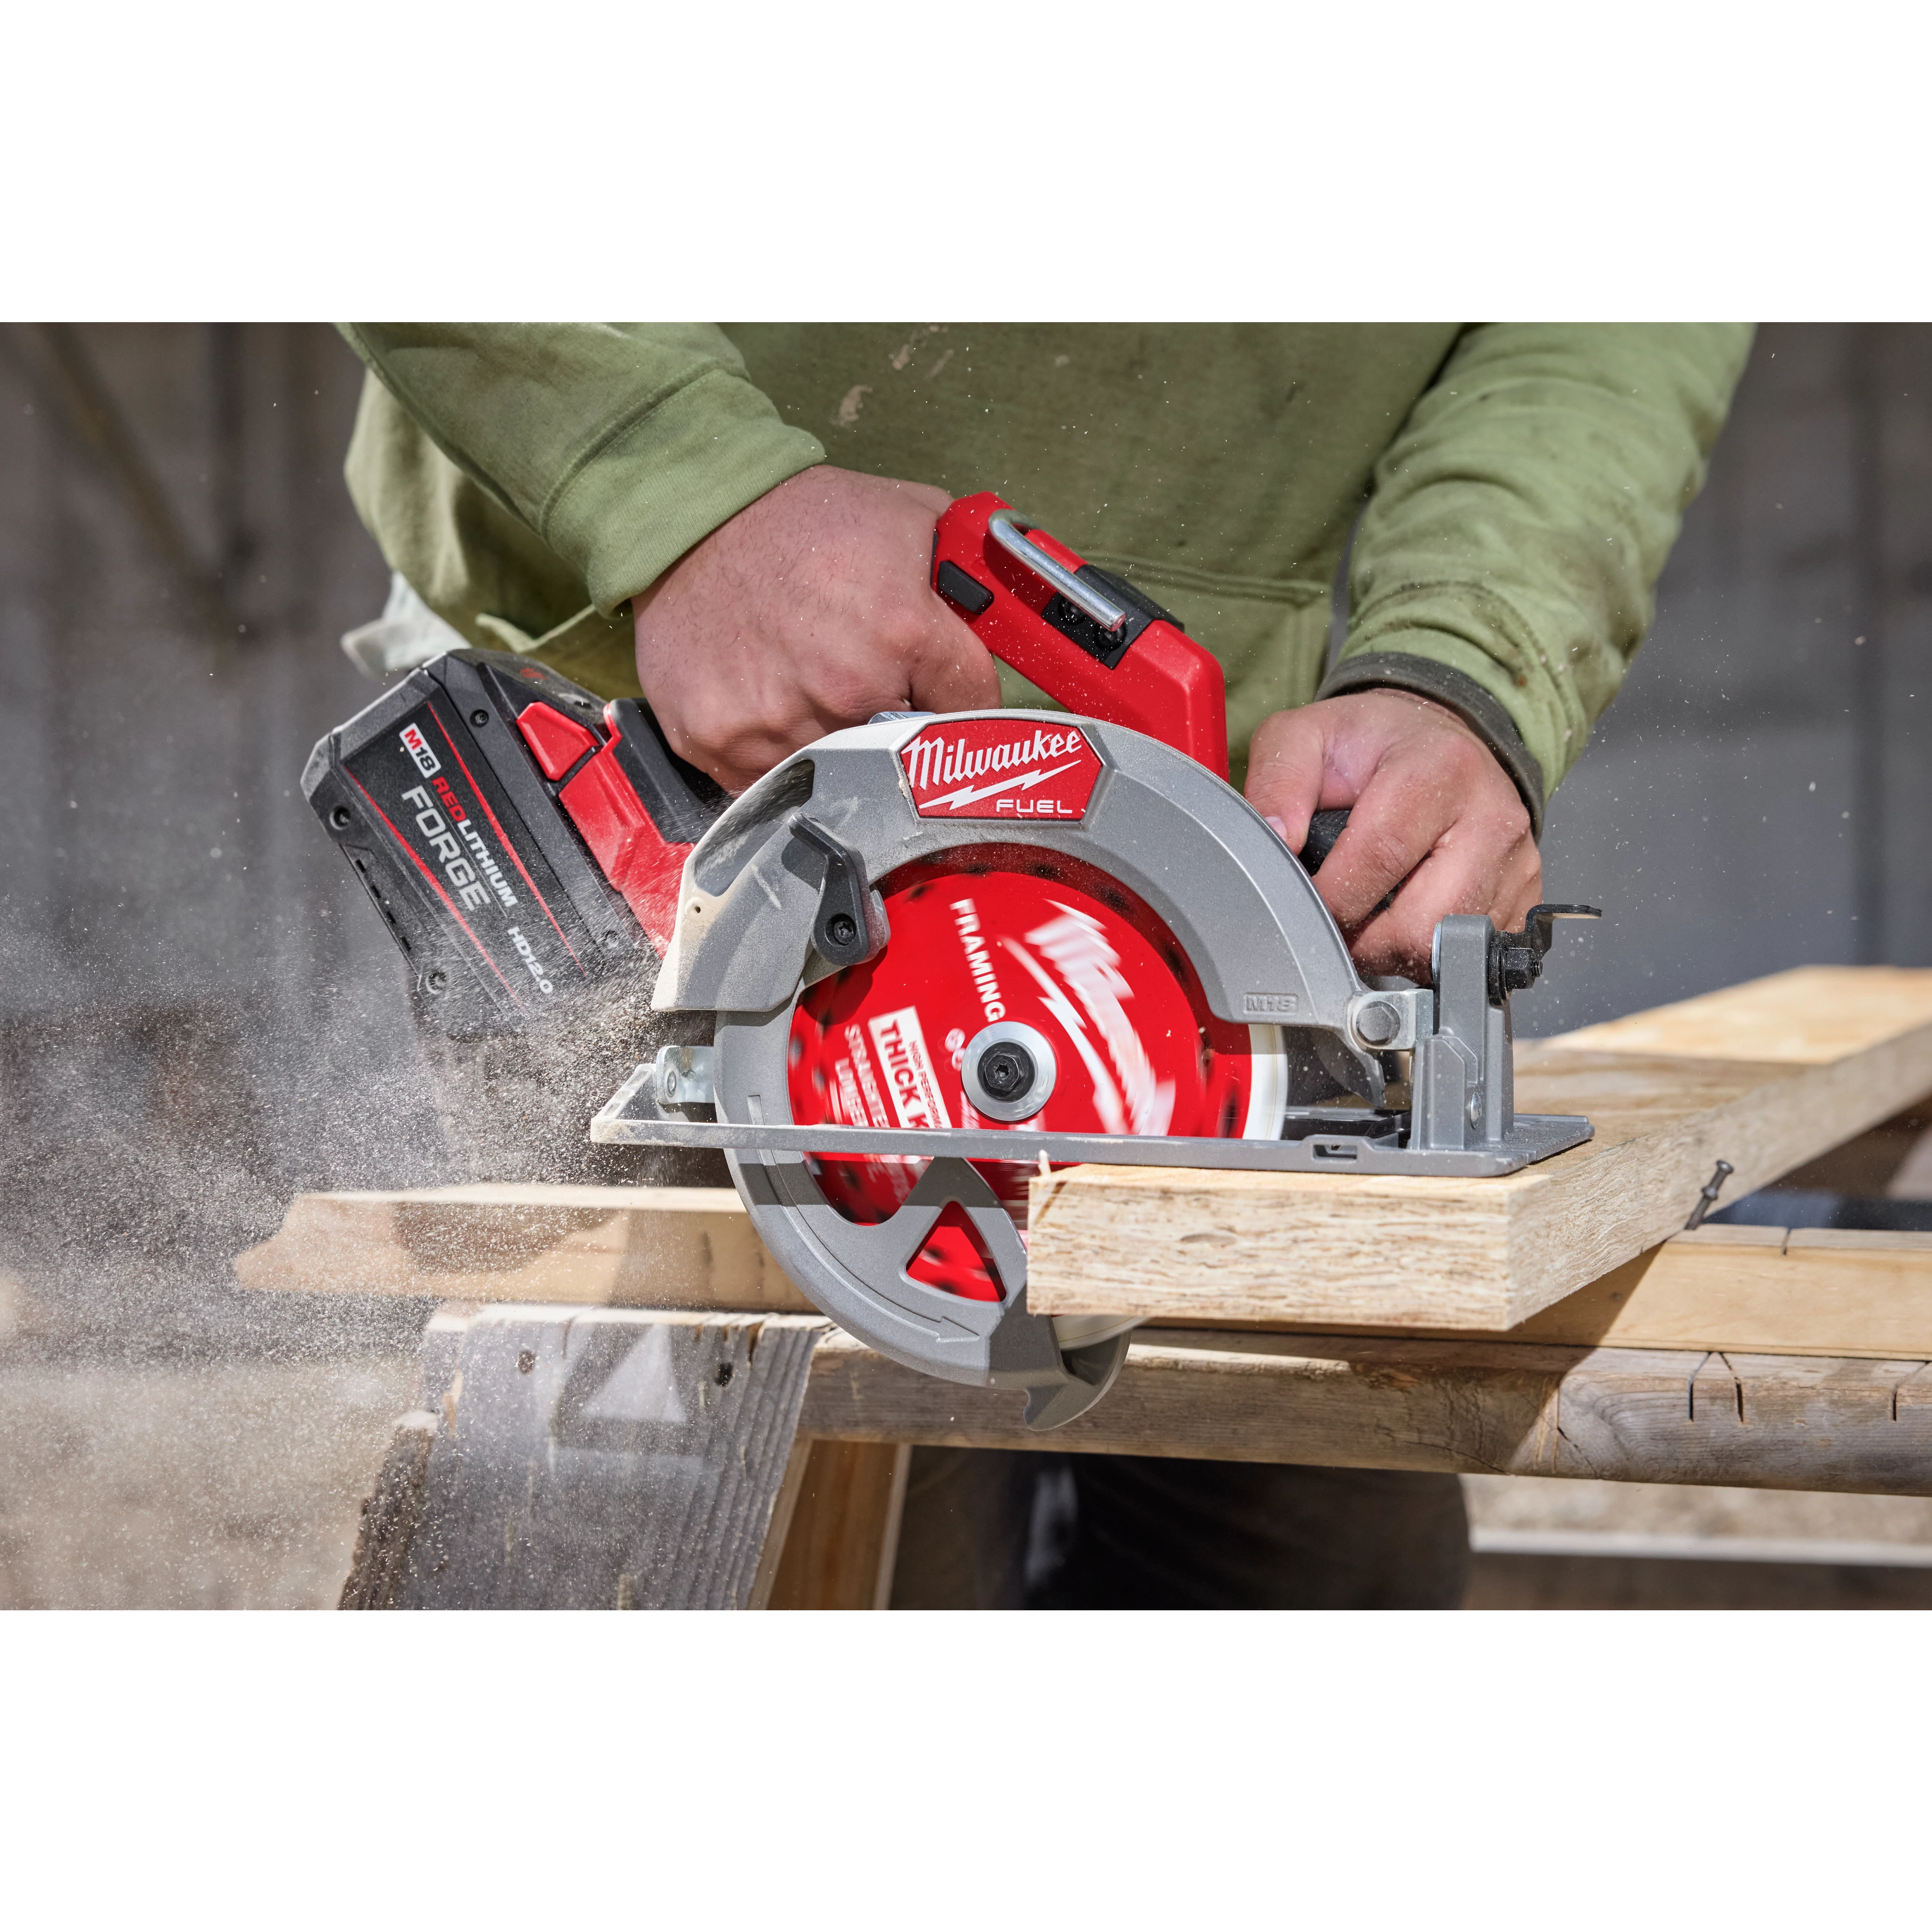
column 1088, row 639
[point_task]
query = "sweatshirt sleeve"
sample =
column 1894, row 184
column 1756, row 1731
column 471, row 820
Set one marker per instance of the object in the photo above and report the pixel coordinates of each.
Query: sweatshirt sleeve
column 1517, row 524
column 620, row 445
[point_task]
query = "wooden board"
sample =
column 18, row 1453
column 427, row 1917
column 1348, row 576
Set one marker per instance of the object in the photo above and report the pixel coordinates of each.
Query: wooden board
column 1766, row 1076
column 1768, row 1291
column 598, row 1459
column 1808, row 1291
column 1810, row 1016
column 842, row 1537
column 1814, row 1291
column 658, row 1247
column 1894, row 1159
column 1509, row 1408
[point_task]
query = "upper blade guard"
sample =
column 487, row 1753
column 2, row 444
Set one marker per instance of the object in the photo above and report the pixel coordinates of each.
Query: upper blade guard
column 1182, row 842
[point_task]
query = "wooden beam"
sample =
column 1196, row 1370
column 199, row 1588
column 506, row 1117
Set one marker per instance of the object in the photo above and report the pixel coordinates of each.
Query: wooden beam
column 1810, row 1016
column 1766, row 1076
column 592, row 1458
column 1767, row 1291
column 1810, row 1291
column 843, row 1534
column 1511, row 1409
column 1890, row 1160
column 658, row 1247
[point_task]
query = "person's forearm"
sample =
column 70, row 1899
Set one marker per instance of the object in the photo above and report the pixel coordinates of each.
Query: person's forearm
column 621, row 446
column 1519, row 520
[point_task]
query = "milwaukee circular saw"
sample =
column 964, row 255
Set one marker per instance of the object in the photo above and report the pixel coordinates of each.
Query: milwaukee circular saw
column 943, row 953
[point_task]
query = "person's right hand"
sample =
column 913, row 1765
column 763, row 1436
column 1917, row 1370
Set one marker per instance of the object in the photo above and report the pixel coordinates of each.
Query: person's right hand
column 812, row 609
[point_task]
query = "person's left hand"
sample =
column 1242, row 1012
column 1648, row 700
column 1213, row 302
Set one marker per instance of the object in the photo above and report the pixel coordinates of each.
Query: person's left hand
column 1430, row 806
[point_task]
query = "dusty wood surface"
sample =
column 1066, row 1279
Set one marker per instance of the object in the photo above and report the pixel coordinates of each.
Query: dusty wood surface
column 1766, row 1076
column 658, row 1247
column 838, row 1548
column 1511, row 1409
column 603, row 1459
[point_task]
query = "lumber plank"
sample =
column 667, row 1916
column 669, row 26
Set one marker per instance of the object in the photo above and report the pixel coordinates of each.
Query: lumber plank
column 1515, row 1408
column 603, row 1458
column 1810, row 1016
column 1765, row 1291
column 660, row 1247
column 1812, row 1291
column 1890, row 1159
column 1337, row 1400
column 842, row 1537
column 1766, row 1076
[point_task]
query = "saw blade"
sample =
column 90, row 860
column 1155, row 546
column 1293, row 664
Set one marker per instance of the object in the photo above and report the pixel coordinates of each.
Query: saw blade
column 1015, row 935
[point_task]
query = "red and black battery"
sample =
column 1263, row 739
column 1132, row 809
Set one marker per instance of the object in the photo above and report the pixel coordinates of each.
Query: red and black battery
column 523, row 839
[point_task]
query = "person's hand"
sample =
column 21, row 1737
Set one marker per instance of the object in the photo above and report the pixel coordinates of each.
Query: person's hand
column 1428, row 800
column 811, row 609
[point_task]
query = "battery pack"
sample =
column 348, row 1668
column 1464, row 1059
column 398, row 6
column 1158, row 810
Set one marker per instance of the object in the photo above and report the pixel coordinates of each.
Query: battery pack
column 523, row 839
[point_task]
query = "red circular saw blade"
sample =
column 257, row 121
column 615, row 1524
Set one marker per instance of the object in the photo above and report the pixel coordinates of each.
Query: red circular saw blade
column 1009, row 933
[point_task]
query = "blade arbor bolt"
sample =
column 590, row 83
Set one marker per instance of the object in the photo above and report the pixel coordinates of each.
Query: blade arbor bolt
column 1007, row 1071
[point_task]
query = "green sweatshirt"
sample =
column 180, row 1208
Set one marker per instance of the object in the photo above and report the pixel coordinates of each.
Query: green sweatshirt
column 1520, row 485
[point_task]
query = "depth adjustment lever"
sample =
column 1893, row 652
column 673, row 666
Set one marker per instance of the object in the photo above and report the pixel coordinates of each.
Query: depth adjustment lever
column 851, row 926
column 1463, row 1081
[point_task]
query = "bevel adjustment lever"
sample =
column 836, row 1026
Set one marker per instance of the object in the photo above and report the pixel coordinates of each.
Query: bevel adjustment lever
column 1516, row 958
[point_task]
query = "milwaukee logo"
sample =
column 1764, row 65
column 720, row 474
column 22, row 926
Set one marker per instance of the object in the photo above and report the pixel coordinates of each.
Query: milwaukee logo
column 417, row 746
column 989, row 768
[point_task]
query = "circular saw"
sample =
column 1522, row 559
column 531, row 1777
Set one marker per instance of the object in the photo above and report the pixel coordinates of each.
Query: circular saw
column 942, row 955
column 948, row 953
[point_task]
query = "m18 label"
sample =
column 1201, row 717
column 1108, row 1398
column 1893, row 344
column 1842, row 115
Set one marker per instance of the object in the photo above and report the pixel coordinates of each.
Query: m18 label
column 1271, row 1006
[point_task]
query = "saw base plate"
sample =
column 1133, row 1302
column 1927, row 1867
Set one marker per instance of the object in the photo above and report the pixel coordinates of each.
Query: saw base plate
column 1316, row 1140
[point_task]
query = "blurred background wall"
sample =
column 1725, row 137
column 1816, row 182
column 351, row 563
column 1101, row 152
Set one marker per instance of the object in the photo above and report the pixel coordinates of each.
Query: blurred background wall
column 198, row 1014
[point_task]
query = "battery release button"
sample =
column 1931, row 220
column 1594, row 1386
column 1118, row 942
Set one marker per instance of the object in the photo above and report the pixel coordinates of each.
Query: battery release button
column 555, row 741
